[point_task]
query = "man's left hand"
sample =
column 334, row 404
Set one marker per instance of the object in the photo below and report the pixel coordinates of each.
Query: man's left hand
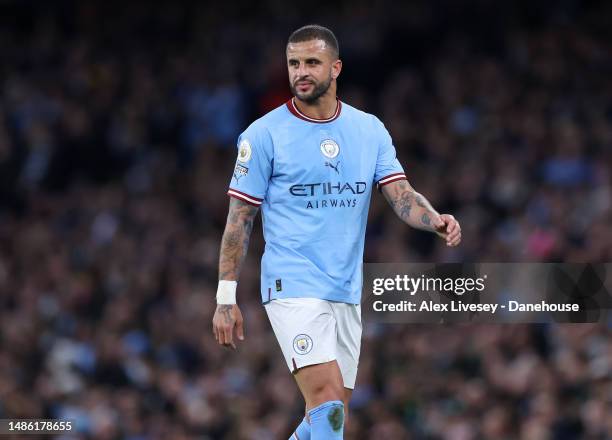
column 447, row 227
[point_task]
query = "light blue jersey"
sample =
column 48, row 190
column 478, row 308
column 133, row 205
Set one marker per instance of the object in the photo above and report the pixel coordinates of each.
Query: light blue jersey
column 313, row 180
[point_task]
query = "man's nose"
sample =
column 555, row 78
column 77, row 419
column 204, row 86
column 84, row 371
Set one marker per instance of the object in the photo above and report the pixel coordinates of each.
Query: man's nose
column 301, row 70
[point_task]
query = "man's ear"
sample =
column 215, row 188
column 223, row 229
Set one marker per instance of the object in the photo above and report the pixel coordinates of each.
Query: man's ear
column 336, row 68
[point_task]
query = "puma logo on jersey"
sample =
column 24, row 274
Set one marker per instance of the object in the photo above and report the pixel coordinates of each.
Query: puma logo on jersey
column 331, row 165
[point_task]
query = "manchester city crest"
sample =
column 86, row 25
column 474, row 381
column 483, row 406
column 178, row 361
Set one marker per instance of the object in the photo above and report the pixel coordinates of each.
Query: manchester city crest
column 302, row 344
column 329, row 148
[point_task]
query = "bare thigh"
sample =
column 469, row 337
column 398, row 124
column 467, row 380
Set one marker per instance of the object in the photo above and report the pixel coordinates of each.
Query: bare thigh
column 320, row 383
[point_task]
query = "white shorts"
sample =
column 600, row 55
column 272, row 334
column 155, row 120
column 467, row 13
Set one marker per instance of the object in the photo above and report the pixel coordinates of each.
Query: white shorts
column 313, row 331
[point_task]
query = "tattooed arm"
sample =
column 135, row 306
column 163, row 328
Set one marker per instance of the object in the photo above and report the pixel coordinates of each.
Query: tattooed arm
column 234, row 245
column 416, row 211
column 235, row 239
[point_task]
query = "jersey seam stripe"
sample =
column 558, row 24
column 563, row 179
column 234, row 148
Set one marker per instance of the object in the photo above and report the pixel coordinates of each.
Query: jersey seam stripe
column 315, row 119
column 380, row 185
column 257, row 199
column 395, row 179
column 294, row 110
column 244, row 198
column 394, row 175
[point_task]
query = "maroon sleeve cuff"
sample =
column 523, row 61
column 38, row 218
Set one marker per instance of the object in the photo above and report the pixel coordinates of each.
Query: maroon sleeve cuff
column 255, row 201
column 390, row 178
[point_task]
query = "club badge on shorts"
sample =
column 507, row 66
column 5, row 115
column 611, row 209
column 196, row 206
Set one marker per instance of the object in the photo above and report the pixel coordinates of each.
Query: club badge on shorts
column 302, row 344
column 329, row 148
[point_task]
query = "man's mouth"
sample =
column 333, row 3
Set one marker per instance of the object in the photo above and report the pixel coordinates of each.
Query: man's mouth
column 304, row 85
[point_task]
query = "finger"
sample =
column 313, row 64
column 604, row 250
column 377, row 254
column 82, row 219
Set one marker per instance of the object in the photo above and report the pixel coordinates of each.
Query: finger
column 438, row 222
column 455, row 241
column 452, row 227
column 453, row 236
column 229, row 337
column 240, row 330
column 455, row 226
column 223, row 339
column 450, row 221
column 230, row 344
column 215, row 333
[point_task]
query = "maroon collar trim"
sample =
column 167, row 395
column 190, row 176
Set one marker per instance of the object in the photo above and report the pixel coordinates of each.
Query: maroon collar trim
column 297, row 113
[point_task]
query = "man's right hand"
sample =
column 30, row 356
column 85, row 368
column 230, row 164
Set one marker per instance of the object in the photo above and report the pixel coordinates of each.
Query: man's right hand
column 228, row 316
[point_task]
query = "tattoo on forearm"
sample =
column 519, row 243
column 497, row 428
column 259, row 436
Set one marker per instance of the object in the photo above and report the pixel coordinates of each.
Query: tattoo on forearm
column 231, row 239
column 402, row 200
column 404, row 205
column 421, row 201
column 235, row 241
column 410, row 206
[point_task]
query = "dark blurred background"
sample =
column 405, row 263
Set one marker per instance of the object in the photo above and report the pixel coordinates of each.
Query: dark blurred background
column 118, row 123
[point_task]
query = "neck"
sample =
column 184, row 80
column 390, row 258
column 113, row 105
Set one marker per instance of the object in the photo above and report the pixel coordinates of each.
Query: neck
column 323, row 108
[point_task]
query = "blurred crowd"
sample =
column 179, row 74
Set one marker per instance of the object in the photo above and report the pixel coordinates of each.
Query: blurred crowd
column 118, row 124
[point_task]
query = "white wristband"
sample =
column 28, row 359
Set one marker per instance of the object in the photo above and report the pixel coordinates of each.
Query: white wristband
column 226, row 292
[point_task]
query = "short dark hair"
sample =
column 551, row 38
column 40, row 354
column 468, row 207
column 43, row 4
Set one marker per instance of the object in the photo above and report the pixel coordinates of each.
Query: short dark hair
column 316, row 32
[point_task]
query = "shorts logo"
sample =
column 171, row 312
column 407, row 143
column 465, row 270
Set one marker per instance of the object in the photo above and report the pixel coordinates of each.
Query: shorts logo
column 329, row 148
column 302, row 344
column 244, row 151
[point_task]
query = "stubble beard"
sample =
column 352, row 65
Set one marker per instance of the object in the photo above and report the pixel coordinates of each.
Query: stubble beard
column 318, row 90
